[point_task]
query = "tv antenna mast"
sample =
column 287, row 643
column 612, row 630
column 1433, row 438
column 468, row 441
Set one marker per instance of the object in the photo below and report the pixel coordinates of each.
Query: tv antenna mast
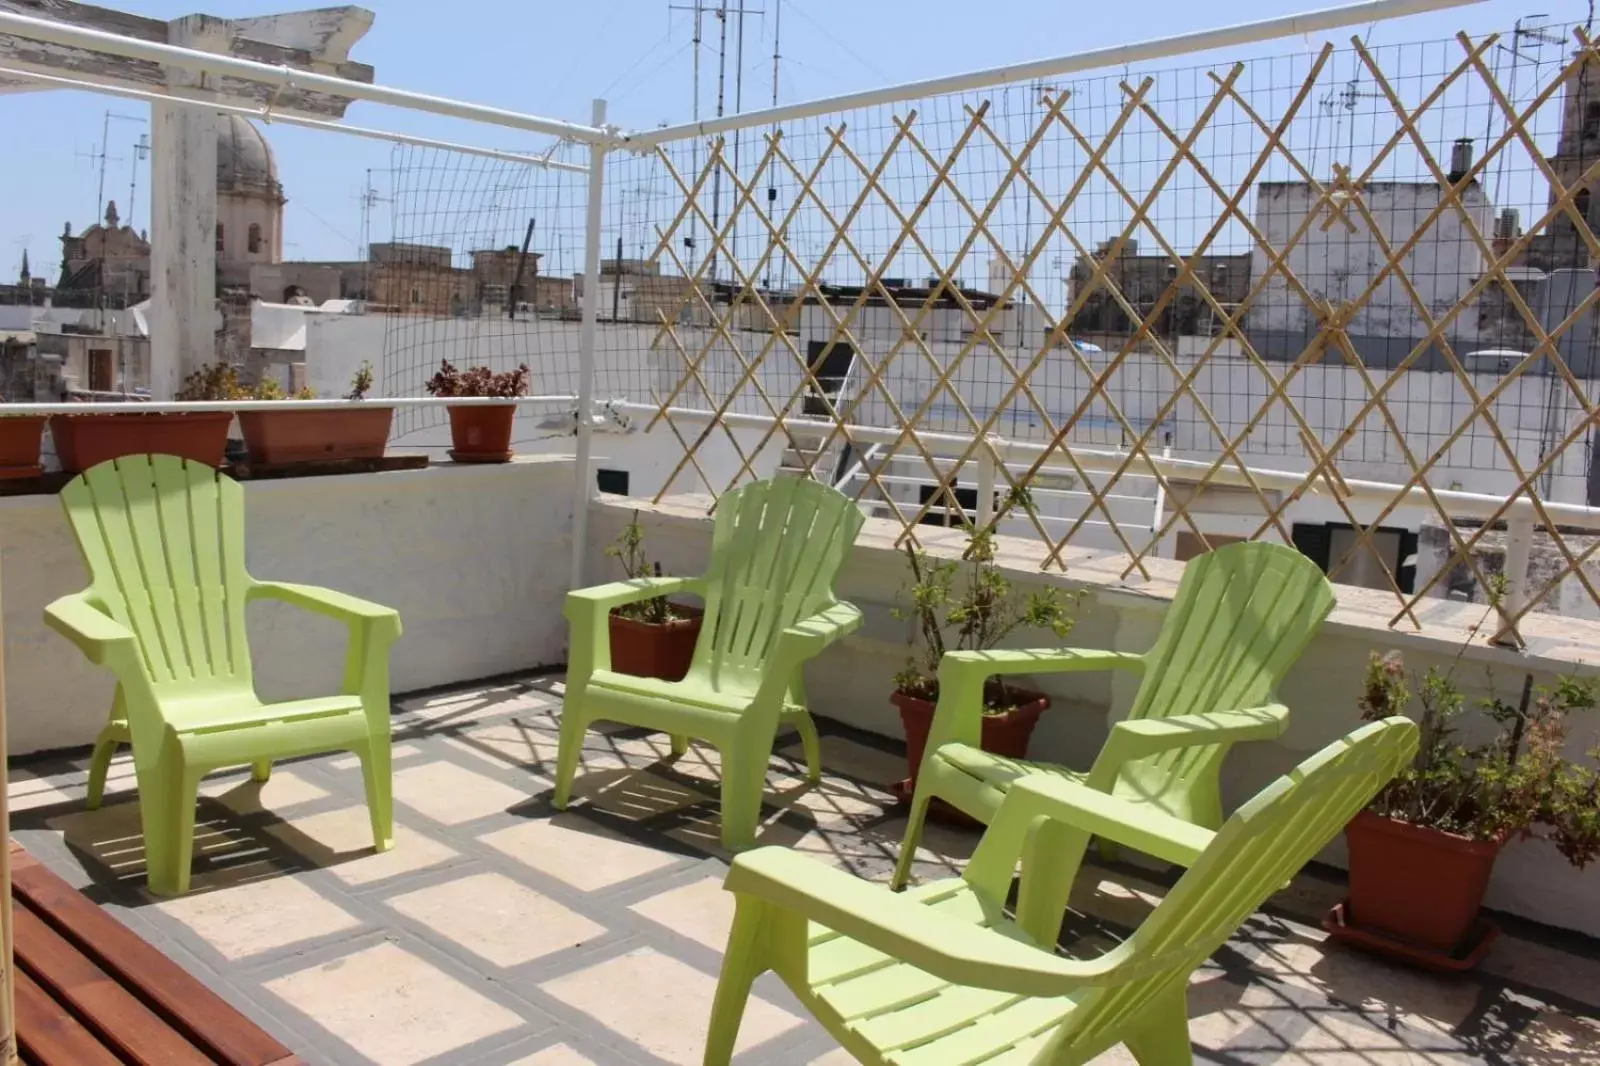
column 369, row 200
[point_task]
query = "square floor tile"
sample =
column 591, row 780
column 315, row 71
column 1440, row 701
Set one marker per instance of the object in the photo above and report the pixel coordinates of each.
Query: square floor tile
column 648, row 997
column 701, row 910
column 351, row 762
column 392, row 1006
column 341, row 841
column 25, row 791
column 284, row 788
column 452, row 794
column 560, row 1055
column 497, row 919
column 572, row 849
column 252, row 918
column 841, row 755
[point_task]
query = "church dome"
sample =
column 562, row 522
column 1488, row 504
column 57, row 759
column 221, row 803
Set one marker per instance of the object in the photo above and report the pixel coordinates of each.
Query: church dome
column 244, row 159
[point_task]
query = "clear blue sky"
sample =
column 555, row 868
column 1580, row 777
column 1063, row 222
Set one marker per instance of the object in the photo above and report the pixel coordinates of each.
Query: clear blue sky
column 553, row 58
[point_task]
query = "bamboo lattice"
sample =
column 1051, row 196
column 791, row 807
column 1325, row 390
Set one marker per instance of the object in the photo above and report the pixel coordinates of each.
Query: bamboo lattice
column 1306, row 273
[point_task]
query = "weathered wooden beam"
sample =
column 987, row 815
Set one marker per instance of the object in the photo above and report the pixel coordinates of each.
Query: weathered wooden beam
column 318, row 40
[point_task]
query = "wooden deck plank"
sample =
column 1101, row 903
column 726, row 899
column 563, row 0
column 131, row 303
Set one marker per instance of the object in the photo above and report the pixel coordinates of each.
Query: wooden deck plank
column 123, row 1023
column 48, row 1035
column 202, row 1017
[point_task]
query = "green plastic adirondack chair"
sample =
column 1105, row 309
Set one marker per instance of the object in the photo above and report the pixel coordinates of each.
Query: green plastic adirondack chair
column 769, row 606
column 163, row 540
column 1241, row 617
column 941, row 976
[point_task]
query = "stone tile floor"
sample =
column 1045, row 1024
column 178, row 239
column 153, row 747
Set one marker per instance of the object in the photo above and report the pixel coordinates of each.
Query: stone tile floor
column 497, row 932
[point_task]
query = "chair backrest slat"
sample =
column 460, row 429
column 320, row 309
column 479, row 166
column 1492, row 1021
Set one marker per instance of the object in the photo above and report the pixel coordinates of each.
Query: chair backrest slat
column 163, row 540
column 1241, row 617
column 1256, row 852
column 775, row 550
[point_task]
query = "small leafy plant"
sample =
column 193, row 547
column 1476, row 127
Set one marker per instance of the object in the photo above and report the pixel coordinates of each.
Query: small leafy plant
column 478, row 381
column 970, row 605
column 361, row 383
column 1517, row 783
column 220, row 381
column 629, row 549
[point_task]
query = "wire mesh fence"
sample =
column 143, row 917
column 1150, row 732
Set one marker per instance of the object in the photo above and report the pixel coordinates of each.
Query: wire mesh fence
column 1350, row 265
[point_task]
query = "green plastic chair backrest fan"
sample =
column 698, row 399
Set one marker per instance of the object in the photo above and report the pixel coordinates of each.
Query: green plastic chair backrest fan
column 1241, row 617
column 775, row 550
column 163, row 539
column 1254, row 855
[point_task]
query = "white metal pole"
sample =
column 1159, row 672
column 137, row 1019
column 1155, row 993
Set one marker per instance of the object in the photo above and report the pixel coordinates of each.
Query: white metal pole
column 1116, row 56
column 583, row 487
column 1519, row 552
column 986, row 482
column 285, row 77
column 176, row 95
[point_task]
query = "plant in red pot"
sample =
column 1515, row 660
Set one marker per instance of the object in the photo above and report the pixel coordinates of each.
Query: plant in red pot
column 357, row 430
column 20, row 439
column 654, row 637
column 89, row 439
column 968, row 604
column 480, row 433
column 1423, row 851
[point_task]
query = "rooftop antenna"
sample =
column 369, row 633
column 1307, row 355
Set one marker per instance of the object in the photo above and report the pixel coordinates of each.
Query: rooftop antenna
column 369, row 200
column 1527, row 42
column 699, row 11
column 772, row 186
column 141, row 152
column 103, row 157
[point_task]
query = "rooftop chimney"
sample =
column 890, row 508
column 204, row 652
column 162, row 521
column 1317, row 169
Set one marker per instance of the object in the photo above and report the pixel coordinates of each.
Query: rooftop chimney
column 1460, row 158
column 1508, row 226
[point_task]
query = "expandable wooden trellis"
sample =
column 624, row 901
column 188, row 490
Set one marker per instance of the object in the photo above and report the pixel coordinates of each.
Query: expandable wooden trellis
column 1336, row 202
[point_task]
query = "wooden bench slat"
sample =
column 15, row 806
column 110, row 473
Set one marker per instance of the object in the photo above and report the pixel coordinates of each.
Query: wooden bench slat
column 204, row 1018
column 48, row 1035
column 138, row 1034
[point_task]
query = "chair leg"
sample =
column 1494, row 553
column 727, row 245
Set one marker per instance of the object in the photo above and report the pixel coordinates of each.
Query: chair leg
column 377, row 775
column 100, row 765
column 744, row 778
column 812, row 745
column 573, row 727
column 1160, row 1035
column 1107, row 849
column 261, row 771
column 742, row 963
column 908, row 848
column 680, row 743
column 167, row 796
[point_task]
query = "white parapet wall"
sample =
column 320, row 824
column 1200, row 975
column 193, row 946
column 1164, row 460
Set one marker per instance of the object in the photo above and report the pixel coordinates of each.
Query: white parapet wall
column 851, row 682
column 473, row 557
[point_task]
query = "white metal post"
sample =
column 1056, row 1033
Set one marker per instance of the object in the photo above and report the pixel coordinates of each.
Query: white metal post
column 1519, row 552
column 986, row 480
column 583, row 488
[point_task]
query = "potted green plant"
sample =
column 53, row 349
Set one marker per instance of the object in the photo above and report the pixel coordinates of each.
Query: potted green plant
column 357, row 430
column 970, row 605
column 20, row 439
column 480, row 433
column 1423, row 851
column 654, row 637
column 85, row 440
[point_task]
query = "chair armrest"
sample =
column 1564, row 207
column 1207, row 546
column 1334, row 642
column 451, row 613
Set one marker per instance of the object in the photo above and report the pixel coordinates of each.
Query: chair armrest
column 1140, row 738
column 986, row 664
column 603, row 598
column 959, row 716
column 1136, row 825
column 804, row 640
column 102, row 639
column 349, row 609
column 900, row 927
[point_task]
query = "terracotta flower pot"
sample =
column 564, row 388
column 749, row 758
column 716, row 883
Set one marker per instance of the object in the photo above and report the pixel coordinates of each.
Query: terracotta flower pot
column 1003, row 734
column 359, row 431
column 20, row 439
column 645, row 649
column 86, row 440
column 1417, row 885
column 482, row 434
